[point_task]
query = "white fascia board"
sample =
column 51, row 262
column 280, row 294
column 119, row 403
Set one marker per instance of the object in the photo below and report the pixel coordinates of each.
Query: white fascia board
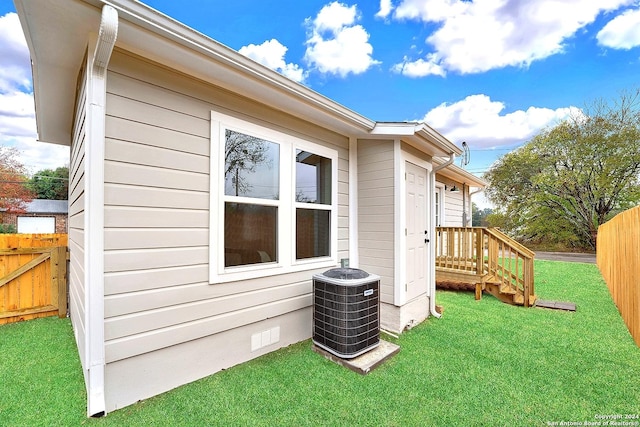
column 420, row 135
column 427, row 132
column 394, row 129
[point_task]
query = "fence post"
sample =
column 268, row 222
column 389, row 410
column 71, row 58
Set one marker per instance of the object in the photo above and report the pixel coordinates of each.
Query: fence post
column 62, row 280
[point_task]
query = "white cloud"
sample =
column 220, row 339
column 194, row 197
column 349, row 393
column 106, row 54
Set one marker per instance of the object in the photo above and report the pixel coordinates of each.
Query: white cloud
column 15, row 68
column 336, row 45
column 17, row 112
column 35, row 155
column 17, row 115
column 483, row 124
column 385, row 9
column 477, row 36
column 622, row 32
column 271, row 54
column 420, row 68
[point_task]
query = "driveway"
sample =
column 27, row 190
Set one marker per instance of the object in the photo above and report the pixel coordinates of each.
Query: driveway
column 567, row 257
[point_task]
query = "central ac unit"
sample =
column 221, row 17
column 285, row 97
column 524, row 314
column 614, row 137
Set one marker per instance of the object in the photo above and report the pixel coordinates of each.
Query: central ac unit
column 346, row 311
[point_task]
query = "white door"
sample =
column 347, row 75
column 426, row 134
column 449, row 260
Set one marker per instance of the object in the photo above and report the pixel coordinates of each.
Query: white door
column 416, row 232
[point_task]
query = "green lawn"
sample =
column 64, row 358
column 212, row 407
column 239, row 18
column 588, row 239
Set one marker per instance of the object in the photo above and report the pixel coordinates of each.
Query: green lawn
column 483, row 363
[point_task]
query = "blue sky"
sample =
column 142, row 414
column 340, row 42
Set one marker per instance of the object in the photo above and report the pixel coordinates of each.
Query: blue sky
column 488, row 72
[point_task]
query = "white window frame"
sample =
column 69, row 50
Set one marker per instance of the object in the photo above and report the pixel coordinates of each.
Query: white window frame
column 286, row 222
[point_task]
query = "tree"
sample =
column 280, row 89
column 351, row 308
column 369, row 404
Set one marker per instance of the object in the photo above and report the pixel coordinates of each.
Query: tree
column 14, row 194
column 51, row 184
column 573, row 177
column 479, row 216
column 243, row 153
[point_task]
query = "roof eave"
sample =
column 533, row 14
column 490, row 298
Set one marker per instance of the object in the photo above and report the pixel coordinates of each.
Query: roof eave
column 420, row 135
column 460, row 175
column 57, row 56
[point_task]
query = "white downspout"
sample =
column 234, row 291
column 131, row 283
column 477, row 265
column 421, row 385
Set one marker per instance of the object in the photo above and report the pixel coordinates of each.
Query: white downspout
column 465, row 216
column 432, row 227
column 94, row 209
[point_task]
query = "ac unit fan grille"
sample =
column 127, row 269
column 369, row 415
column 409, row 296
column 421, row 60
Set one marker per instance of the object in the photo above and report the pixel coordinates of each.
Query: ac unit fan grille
column 346, row 318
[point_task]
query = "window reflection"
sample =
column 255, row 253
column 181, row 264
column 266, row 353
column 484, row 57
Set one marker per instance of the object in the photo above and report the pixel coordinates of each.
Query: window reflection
column 252, row 166
column 313, row 178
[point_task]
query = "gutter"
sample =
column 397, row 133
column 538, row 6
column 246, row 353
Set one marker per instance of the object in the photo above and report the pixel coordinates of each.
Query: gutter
column 94, row 209
column 432, row 253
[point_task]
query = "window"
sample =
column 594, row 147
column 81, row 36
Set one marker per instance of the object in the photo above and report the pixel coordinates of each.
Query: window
column 313, row 205
column 251, row 183
column 273, row 201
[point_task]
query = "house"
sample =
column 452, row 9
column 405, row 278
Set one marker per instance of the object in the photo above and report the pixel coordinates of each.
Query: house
column 206, row 190
column 40, row 216
column 454, row 190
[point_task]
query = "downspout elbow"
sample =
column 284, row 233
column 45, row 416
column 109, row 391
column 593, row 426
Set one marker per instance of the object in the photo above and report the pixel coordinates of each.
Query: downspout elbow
column 476, row 192
column 452, row 158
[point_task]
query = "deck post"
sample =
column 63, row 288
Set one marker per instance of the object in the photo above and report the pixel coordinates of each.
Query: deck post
column 479, row 235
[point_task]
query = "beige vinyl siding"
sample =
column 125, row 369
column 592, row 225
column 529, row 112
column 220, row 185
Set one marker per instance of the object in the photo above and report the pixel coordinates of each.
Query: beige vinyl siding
column 452, row 203
column 76, row 219
column 131, row 379
column 376, row 212
column 453, row 208
column 157, row 182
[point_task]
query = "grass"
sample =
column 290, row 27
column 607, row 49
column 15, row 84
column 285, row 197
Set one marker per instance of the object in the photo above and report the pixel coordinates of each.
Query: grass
column 483, row 363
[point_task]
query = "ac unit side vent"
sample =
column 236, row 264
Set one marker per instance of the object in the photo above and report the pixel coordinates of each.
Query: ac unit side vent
column 346, row 313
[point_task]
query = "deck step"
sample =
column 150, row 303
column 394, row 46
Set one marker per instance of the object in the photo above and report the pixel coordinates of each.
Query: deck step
column 518, row 299
column 507, row 289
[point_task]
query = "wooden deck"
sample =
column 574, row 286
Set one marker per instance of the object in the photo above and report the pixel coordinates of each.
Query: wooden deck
column 484, row 260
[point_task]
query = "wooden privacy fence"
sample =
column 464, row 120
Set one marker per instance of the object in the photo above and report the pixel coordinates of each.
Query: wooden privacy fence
column 33, row 276
column 618, row 257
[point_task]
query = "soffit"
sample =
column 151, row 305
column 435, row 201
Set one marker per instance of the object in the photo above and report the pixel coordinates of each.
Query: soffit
column 56, row 33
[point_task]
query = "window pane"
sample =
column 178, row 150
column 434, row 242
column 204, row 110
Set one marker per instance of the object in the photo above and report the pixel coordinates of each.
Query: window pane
column 250, row 234
column 312, row 233
column 252, row 166
column 313, row 178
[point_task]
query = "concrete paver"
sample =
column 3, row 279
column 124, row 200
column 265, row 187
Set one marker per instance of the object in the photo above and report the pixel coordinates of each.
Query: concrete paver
column 567, row 257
